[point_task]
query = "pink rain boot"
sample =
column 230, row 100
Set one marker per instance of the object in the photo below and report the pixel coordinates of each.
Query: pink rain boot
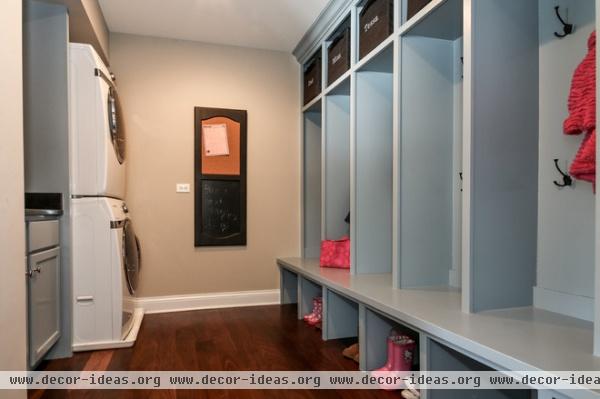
column 404, row 349
column 318, row 313
column 387, row 371
column 389, row 365
column 309, row 316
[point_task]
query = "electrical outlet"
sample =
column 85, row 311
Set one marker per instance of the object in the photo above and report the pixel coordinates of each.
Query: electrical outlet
column 182, row 187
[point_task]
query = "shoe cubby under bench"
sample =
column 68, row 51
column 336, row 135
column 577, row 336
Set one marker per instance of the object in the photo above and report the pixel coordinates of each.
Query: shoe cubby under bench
column 308, row 289
column 513, row 339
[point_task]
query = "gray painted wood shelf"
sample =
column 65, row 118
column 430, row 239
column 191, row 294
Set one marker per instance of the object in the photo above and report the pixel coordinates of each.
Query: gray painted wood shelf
column 450, row 127
column 513, row 339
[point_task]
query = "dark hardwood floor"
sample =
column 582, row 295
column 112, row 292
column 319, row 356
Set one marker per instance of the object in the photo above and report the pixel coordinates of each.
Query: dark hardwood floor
column 266, row 338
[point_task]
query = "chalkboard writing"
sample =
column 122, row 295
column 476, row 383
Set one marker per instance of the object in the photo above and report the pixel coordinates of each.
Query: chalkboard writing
column 221, row 217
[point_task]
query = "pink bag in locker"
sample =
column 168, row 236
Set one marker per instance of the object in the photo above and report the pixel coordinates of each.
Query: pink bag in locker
column 336, row 253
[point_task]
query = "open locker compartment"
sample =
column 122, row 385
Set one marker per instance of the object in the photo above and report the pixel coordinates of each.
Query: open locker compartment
column 523, row 234
column 373, row 211
column 337, row 161
column 312, row 182
column 431, row 149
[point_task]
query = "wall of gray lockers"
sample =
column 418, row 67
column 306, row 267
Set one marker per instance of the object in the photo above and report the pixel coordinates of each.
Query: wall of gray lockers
column 441, row 143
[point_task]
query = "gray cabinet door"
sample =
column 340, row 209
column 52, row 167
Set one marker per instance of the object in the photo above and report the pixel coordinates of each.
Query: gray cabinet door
column 44, row 298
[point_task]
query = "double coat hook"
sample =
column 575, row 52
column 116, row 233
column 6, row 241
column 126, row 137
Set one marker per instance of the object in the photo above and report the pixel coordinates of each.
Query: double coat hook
column 567, row 27
column 567, row 180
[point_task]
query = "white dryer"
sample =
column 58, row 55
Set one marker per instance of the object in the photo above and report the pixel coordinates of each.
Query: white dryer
column 106, row 260
column 96, row 130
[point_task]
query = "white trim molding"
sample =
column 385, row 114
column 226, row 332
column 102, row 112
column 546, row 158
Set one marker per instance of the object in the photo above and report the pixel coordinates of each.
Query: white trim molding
column 183, row 303
column 330, row 16
column 580, row 307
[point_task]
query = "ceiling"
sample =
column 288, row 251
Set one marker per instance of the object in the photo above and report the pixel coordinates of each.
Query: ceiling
column 266, row 24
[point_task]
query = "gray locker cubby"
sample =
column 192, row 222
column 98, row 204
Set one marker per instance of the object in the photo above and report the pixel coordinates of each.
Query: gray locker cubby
column 312, row 161
column 372, row 217
column 375, row 328
column 307, row 291
column 337, row 161
column 340, row 316
column 443, row 358
column 431, row 111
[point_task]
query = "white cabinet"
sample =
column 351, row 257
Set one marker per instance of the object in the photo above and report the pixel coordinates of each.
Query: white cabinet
column 43, row 280
column 44, row 302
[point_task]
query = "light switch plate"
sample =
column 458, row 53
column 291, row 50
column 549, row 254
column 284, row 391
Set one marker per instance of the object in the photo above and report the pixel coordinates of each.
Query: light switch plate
column 182, row 187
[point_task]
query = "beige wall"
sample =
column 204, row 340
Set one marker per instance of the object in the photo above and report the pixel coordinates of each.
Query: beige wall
column 12, row 244
column 99, row 27
column 87, row 24
column 160, row 81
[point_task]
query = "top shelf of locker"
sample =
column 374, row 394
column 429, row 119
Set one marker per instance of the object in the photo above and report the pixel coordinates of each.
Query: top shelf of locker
column 442, row 19
column 439, row 19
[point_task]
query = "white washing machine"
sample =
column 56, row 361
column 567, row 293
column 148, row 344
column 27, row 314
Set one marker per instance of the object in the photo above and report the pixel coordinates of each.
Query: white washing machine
column 106, row 261
column 97, row 134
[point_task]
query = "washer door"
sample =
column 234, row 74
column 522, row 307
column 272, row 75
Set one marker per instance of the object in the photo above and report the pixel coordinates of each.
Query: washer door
column 115, row 123
column 131, row 256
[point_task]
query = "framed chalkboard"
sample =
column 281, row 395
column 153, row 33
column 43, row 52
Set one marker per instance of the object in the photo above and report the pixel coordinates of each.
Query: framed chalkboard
column 220, row 155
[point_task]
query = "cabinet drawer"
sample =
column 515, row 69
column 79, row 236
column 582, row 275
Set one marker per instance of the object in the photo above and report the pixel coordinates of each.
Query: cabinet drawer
column 42, row 234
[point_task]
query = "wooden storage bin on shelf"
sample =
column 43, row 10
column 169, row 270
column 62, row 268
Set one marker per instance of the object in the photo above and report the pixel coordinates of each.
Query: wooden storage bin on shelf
column 414, row 6
column 376, row 24
column 338, row 60
column 312, row 79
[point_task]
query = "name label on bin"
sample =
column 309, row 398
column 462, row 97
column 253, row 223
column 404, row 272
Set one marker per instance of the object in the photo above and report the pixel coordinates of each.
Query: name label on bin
column 336, row 58
column 370, row 24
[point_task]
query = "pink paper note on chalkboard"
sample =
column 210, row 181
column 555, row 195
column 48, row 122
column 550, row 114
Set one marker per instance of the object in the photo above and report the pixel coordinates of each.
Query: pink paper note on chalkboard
column 215, row 140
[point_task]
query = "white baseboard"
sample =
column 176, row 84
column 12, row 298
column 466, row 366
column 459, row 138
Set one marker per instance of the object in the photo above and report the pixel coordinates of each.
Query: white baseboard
column 581, row 307
column 182, row 303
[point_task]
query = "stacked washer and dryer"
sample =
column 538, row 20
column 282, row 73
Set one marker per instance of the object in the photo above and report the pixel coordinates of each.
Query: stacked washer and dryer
column 105, row 250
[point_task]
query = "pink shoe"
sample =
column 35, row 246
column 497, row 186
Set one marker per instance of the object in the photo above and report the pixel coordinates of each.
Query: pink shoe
column 309, row 316
column 400, row 359
column 387, row 371
column 404, row 349
column 318, row 314
column 389, row 365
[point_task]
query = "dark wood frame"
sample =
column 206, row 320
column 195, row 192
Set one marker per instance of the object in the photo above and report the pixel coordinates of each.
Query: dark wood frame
column 201, row 239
